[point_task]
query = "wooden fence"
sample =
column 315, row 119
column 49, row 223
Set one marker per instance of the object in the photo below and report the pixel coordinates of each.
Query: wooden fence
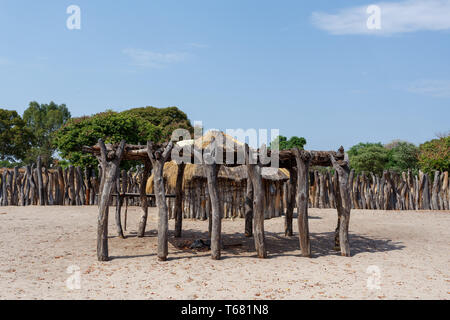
column 391, row 191
column 36, row 185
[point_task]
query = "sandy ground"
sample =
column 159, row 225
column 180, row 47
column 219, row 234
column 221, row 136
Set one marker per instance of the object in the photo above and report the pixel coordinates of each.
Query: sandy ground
column 401, row 255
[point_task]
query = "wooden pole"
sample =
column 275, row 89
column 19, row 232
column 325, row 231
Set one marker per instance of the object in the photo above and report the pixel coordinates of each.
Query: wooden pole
column 118, row 206
column 303, row 159
column 110, row 163
column 249, row 208
column 290, row 203
column 40, row 182
column 216, row 219
column 143, row 199
column 179, row 200
column 344, row 204
column 254, row 172
column 158, row 157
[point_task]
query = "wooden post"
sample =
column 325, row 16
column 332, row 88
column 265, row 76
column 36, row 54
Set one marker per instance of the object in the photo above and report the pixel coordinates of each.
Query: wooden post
column 344, row 204
column 254, row 173
column 216, row 219
column 179, row 200
column 303, row 159
column 40, row 182
column 290, row 203
column 249, row 208
column 110, row 163
column 118, row 206
column 435, row 191
column 143, row 199
column 4, row 188
column 158, row 158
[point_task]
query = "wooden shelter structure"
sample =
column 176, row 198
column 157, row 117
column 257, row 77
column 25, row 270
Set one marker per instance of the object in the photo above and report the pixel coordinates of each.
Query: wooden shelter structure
column 232, row 185
column 212, row 152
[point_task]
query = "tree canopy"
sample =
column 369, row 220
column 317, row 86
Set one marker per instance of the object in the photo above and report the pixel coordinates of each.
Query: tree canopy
column 368, row 157
column 167, row 119
column 44, row 120
column 284, row 144
column 402, row 156
column 15, row 137
column 435, row 155
column 135, row 126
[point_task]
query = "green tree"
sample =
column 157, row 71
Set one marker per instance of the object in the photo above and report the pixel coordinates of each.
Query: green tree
column 402, row 156
column 44, row 120
column 284, row 144
column 15, row 137
column 435, row 155
column 110, row 126
column 368, row 157
column 167, row 119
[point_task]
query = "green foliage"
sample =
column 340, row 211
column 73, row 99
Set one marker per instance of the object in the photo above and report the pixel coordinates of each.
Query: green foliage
column 435, row 155
column 167, row 119
column 135, row 126
column 10, row 164
column 284, row 144
column 44, row 120
column 368, row 157
column 15, row 137
column 110, row 126
column 402, row 156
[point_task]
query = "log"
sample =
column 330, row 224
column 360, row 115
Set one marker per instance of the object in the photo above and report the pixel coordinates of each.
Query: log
column 216, row 220
column 143, row 199
column 344, row 204
column 118, row 207
column 303, row 159
column 40, row 181
column 290, row 202
column 254, row 173
column 435, row 191
column 249, row 209
column 110, row 163
column 179, row 200
column 157, row 158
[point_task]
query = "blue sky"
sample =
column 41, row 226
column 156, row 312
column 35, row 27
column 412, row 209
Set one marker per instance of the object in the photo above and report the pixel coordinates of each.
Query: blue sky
column 308, row 68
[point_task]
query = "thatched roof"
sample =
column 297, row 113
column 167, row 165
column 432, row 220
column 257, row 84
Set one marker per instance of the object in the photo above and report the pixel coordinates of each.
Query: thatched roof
column 232, row 174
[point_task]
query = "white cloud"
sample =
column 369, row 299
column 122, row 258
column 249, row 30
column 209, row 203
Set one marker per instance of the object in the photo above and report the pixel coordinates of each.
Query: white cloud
column 151, row 59
column 396, row 17
column 433, row 88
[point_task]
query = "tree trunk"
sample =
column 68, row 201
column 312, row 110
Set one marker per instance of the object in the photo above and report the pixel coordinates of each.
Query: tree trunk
column 144, row 201
column 344, row 205
column 303, row 159
column 254, row 172
column 216, row 220
column 40, row 182
column 249, row 208
column 290, row 202
column 109, row 168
